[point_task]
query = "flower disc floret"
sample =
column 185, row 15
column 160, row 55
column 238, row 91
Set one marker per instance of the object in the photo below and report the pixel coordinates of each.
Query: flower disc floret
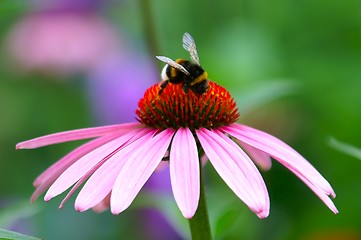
column 175, row 108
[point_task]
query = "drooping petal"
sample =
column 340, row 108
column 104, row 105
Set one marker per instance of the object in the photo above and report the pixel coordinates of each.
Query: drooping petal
column 84, row 178
column 140, row 134
column 103, row 205
column 84, row 164
column 99, row 164
column 324, row 197
column 184, row 171
column 262, row 159
column 137, row 171
column 236, row 169
column 282, row 153
column 58, row 167
column 101, row 182
column 44, row 180
column 75, row 135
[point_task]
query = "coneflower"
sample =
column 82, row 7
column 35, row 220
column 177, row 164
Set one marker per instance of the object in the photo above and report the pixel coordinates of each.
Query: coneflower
column 178, row 127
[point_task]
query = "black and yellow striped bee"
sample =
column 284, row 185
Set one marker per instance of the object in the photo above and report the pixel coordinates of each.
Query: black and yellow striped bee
column 190, row 74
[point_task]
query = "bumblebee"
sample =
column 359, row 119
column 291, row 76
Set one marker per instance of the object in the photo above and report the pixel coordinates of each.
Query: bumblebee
column 190, row 74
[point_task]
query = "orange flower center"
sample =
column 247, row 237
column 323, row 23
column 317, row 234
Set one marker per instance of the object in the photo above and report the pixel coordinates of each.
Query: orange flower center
column 174, row 108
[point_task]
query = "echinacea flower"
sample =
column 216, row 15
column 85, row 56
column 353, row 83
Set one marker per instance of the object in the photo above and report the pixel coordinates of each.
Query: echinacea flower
column 178, row 128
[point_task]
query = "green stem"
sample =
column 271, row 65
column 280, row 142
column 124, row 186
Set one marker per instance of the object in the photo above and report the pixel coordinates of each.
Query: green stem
column 149, row 27
column 199, row 224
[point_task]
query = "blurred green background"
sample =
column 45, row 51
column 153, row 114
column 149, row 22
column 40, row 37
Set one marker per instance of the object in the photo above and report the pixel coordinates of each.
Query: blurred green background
column 293, row 66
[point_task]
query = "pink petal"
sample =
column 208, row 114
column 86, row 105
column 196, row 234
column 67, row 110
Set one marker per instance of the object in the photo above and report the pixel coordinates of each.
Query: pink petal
column 101, row 182
column 75, row 135
column 84, row 178
column 137, row 171
column 282, row 153
column 324, row 198
column 84, row 164
column 44, row 180
column 103, row 205
column 184, row 171
column 236, row 169
column 99, row 164
column 262, row 159
column 58, row 167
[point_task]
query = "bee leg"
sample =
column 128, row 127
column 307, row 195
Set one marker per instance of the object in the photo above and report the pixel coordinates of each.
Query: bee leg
column 163, row 85
column 185, row 88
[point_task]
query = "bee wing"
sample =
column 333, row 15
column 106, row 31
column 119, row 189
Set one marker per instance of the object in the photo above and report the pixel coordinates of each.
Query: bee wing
column 190, row 45
column 173, row 64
